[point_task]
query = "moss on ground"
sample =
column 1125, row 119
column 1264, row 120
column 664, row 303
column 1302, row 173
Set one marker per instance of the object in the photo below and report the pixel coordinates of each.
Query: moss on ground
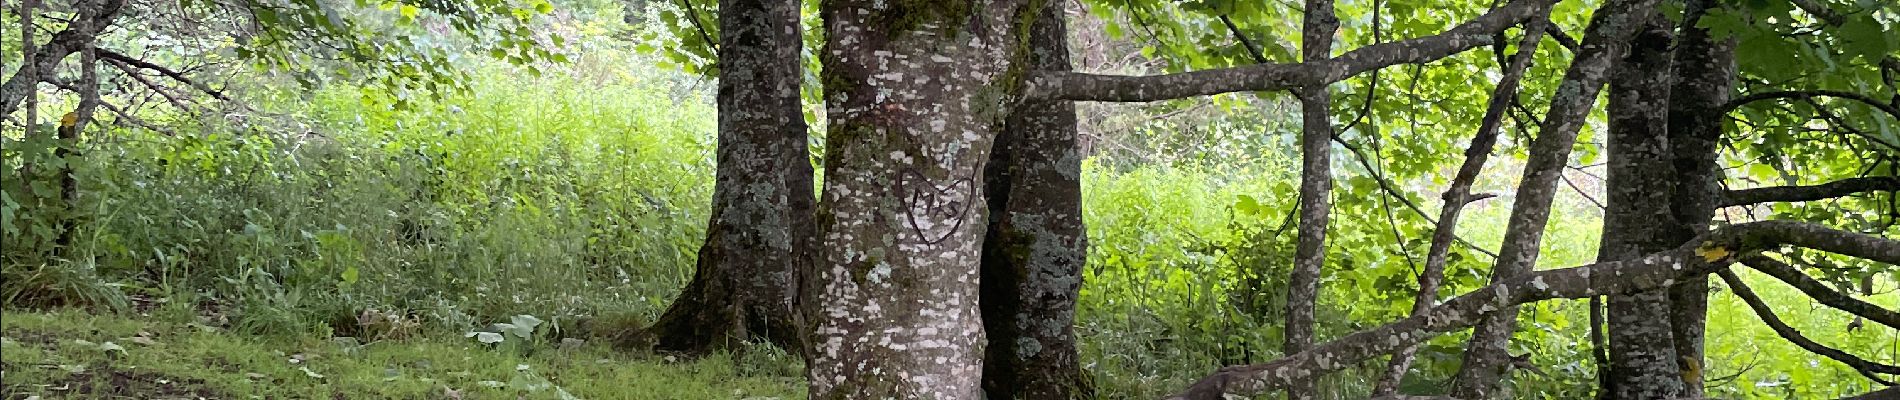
column 65, row 354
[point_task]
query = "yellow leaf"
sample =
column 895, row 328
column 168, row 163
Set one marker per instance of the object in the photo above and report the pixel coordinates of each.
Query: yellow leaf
column 1711, row 253
column 71, row 118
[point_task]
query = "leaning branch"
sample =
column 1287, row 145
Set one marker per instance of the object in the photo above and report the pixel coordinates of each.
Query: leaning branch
column 1890, row 109
column 1870, row 369
column 1698, row 257
column 168, row 72
column 1844, row 187
column 1060, row 85
column 1820, row 292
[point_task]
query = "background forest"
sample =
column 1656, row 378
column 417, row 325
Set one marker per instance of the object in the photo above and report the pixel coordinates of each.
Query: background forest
column 496, row 204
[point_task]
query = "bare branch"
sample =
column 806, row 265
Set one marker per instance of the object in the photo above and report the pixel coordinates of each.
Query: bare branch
column 168, row 72
column 1867, row 368
column 1445, row 229
column 1698, row 257
column 1844, row 187
column 161, row 90
column 1820, row 292
column 1281, row 76
column 1890, row 109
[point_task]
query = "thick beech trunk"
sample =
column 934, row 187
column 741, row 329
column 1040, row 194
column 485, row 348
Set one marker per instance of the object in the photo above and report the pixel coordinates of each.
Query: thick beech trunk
column 1035, row 247
column 1704, row 79
column 1486, row 356
column 915, row 93
column 1637, row 214
column 758, row 241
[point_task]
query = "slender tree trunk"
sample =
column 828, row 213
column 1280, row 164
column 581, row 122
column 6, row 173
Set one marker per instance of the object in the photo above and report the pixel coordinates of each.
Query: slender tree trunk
column 69, row 130
column 27, row 71
column 1316, row 187
column 915, row 93
column 1487, row 356
column 1459, row 194
column 757, row 243
column 1704, row 79
column 1035, row 247
column 1637, row 214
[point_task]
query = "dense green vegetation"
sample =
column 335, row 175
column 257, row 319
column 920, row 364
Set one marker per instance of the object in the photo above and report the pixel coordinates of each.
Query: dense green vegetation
column 367, row 242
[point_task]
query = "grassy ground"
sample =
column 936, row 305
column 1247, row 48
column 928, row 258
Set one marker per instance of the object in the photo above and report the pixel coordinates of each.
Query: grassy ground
column 74, row 354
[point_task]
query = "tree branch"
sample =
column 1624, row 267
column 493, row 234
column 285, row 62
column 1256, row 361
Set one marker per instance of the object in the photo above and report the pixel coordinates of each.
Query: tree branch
column 1844, row 187
column 1445, row 229
column 168, row 72
column 75, row 37
column 154, row 86
column 1046, row 85
column 1890, row 109
column 1820, row 292
column 1698, row 257
column 1867, row 368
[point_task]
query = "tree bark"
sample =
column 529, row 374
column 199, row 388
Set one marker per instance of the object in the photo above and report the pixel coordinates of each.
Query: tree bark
column 1703, row 80
column 757, row 243
column 915, row 93
column 69, row 129
column 1459, row 194
column 90, row 21
column 1486, row 355
column 1316, row 190
column 30, row 75
column 1637, row 216
column 1035, row 246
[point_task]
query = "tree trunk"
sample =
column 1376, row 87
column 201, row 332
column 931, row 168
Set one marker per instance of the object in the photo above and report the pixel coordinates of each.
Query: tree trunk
column 90, row 21
column 1637, row 214
column 1316, row 187
column 745, row 282
column 69, row 129
column 915, row 93
column 1486, row 355
column 1704, row 78
column 1035, row 246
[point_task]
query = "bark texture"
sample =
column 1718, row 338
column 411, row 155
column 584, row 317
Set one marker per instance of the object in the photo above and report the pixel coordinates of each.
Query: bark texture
column 1702, row 82
column 1699, row 257
column 93, row 17
column 758, row 241
column 1316, row 190
column 1637, row 216
column 1459, row 194
column 1035, row 246
column 915, row 93
column 1486, row 356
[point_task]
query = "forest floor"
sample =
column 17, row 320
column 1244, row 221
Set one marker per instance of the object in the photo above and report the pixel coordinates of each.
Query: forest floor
column 74, row 354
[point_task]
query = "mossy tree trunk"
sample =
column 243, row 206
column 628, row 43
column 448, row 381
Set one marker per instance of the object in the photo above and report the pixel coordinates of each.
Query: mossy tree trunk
column 760, row 237
column 915, row 93
column 1035, row 247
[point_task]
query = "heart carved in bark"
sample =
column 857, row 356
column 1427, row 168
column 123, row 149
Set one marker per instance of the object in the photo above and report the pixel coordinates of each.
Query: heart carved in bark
column 932, row 210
